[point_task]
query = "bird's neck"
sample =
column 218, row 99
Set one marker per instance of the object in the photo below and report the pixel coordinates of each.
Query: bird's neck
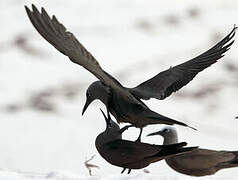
column 171, row 139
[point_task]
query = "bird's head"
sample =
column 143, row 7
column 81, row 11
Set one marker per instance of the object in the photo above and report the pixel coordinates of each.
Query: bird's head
column 112, row 131
column 111, row 125
column 168, row 133
column 96, row 91
column 111, row 134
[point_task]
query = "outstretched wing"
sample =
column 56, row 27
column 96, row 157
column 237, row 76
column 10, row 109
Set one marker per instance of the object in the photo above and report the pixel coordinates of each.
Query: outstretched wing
column 166, row 82
column 65, row 42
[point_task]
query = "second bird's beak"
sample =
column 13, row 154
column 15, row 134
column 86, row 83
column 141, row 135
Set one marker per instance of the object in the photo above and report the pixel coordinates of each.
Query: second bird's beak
column 105, row 117
column 88, row 102
column 155, row 133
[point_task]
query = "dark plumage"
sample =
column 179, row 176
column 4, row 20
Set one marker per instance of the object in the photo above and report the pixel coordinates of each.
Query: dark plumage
column 124, row 103
column 200, row 162
column 132, row 155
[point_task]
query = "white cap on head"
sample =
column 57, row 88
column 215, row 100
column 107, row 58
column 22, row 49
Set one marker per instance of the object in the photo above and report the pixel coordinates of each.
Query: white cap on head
column 168, row 133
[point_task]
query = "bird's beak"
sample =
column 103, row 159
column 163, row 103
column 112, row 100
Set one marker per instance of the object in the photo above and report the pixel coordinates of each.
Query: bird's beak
column 155, row 133
column 105, row 117
column 88, row 102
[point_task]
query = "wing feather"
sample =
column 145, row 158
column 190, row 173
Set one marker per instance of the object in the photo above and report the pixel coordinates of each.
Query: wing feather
column 166, row 82
column 64, row 41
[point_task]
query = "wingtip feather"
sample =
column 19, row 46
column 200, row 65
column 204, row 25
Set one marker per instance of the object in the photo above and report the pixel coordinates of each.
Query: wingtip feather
column 43, row 10
column 25, row 6
column 28, row 11
column 34, row 8
column 235, row 27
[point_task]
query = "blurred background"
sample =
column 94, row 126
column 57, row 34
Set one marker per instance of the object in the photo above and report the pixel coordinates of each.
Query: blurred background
column 42, row 92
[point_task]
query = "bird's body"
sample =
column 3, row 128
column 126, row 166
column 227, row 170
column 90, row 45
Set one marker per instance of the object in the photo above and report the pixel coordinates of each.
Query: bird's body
column 125, row 103
column 200, row 162
column 129, row 154
column 134, row 155
column 126, row 108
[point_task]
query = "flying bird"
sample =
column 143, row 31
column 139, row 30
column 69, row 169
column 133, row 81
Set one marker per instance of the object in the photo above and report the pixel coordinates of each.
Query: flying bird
column 129, row 154
column 200, row 162
column 125, row 103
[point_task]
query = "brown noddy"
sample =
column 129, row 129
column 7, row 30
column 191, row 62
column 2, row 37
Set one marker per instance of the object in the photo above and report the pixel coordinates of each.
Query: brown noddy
column 129, row 154
column 125, row 103
column 200, row 162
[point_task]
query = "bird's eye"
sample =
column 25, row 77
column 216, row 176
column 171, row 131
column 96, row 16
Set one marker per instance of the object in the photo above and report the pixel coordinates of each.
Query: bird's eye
column 166, row 130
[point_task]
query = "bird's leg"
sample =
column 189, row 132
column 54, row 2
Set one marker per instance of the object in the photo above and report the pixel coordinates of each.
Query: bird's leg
column 123, row 170
column 108, row 114
column 124, row 128
column 139, row 138
column 129, row 171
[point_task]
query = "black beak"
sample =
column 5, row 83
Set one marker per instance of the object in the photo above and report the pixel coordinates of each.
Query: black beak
column 105, row 117
column 88, row 102
column 155, row 133
column 236, row 117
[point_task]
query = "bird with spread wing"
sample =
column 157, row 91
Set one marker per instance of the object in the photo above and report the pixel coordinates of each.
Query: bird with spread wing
column 125, row 103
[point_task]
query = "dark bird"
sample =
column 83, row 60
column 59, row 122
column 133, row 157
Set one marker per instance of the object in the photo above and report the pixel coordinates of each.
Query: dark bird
column 125, row 103
column 132, row 155
column 200, row 162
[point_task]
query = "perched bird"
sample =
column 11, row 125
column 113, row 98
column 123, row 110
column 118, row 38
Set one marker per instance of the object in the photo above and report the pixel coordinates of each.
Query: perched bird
column 200, row 162
column 132, row 155
column 125, row 103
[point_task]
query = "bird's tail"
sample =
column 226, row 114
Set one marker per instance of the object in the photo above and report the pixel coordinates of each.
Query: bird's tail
column 169, row 121
column 231, row 163
column 235, row 160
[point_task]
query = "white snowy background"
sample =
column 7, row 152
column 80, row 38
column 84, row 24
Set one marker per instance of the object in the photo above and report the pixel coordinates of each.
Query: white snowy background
column 42, row 132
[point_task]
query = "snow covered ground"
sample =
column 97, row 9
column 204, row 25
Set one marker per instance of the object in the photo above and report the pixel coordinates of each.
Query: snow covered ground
column 42, row 92
column 5, row 175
